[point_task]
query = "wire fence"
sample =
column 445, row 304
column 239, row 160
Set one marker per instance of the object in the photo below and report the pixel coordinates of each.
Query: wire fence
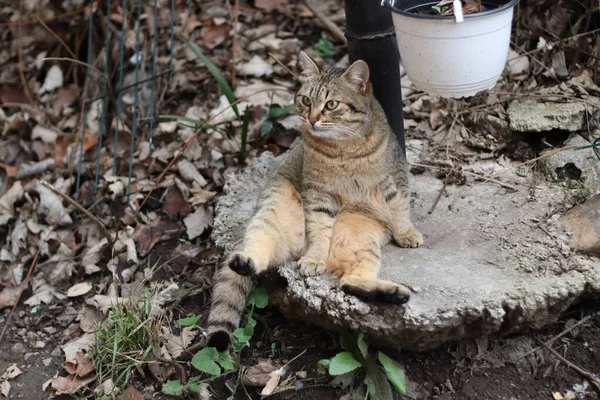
column 123, row 79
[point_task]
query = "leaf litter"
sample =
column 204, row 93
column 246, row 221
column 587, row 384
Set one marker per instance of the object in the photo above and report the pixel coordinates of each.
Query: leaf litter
column 80, row 273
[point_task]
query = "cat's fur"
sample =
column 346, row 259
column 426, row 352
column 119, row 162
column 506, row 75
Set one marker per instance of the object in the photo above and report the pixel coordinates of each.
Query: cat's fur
column 334, row 201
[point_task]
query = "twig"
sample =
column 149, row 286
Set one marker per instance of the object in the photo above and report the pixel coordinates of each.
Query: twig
column 102, row 74
column 563, row 333
column 591, row 377
column 234, row 42
column 20, row 57
column 555, row 43
column 488, row 179
column 56, row 37
column 283, row 66
column 293, row 359
column 439, row 196
column 34, row 21
column 331, row 26
column 174, row 363
column 80, row 208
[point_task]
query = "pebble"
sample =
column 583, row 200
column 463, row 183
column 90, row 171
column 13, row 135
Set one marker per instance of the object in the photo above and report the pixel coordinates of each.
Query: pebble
column 18, row 349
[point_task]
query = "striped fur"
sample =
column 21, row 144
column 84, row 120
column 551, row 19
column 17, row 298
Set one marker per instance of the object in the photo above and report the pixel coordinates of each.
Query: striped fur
column 334, row 201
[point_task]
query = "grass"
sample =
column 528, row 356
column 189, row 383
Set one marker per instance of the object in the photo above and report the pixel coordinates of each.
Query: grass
column 125, row 339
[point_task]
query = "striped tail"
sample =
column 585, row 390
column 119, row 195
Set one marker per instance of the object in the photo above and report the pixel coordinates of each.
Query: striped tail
column 228, row 303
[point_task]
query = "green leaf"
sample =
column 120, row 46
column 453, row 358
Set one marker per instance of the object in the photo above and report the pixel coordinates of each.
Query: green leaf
column 378, row 386
column 225, row 361
column 241, row 336
column 265, row 127
column 342, row 363
column 204, row 361
column 325, row 48
column 278, row 112
column 173, row 388
column 344, row 380
column 214, row 70
column 362, row 345
column 323, row 366
column 258, row 297
column 394, row 373
column 189, row 321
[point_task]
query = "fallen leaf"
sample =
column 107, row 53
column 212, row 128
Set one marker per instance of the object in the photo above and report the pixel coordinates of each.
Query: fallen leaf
column 200, row 196
column 51, row 205
column 131, row 394
column 198, row 222
column 256, row 67
column 188, row 171
column 79, row 289
column 275, row 376
column 268, row 5
column 146, row 236
column 175, row 204
column 106, row 388
column 259, row 374
column 11, row 372
column 437, row 118
column 5, row 388
column 89, row 318
column 213, row 35
column 81, row 365
column 84, row 342
column 46, row 135
column 45, row 293
column 71, row 384
column 54, row 80
column 8, row 296
column 176, row 344
column 12, row 94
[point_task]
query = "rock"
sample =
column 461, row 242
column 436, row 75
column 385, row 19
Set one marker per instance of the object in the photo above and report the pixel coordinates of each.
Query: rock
column 583, row 221
column 484, row 268
column 532, row 116
column 18, row 349
column 573, row 165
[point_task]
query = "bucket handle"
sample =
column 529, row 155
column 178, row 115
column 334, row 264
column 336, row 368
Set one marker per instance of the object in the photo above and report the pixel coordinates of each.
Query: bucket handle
column 458, row 14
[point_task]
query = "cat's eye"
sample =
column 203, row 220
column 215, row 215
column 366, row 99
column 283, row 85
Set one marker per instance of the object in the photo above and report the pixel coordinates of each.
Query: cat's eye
column 332, row 104
column 305, row 101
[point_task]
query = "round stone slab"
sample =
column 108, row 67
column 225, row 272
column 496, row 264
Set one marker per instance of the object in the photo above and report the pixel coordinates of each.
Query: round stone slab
column 494, row 261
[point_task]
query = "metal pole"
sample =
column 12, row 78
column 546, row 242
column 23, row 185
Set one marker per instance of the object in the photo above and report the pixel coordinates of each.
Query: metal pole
column 371, row 38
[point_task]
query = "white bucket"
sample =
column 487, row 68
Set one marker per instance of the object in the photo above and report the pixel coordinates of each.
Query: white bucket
column 448, row 58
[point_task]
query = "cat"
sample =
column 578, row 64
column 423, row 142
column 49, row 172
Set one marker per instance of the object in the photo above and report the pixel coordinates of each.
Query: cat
column 335, row 200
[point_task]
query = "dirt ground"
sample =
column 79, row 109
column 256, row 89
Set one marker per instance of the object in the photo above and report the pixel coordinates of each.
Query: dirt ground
column 468, row 370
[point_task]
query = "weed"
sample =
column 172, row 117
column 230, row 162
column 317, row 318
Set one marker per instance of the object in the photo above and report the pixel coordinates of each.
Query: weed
column 357, row 364
column 216, row 364
column 125, row 339
column 325, row 49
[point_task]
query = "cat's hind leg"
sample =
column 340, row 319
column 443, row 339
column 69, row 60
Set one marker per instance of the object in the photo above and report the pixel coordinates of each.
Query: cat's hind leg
column 355, row 258
column 275, row 234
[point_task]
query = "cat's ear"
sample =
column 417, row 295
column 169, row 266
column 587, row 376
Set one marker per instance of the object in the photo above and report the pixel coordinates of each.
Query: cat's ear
column 309, row 67
column 358, row 73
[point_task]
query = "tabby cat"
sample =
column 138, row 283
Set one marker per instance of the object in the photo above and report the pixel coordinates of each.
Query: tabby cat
column 337, row 197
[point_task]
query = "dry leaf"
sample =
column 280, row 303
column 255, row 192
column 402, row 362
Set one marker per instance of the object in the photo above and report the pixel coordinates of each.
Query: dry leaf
column 46, row 135
column 84, row 342
column 70, row 384
column 198, row 222
column 175, row 344
column 131, row 394
column 53, row 80
column 89, row 318
column 81, row 365
column 8, row 296
column 268, row 5
column 260, row 374
column 213, row 35
column 79, row 289
column 188, row 171
column 256, row 67
column 11, row 372
column 51, row 205
column 5, row 388
column 175, row 204
column 275, row 376
column 146, row 236
column 437, row 118
column 200, row 196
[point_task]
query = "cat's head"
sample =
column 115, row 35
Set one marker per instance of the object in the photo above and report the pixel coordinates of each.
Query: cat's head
column 336, row 103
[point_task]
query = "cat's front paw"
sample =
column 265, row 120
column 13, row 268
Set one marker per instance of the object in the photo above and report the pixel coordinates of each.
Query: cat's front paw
column 242, row 264
column 410, row 238
column 311, row 266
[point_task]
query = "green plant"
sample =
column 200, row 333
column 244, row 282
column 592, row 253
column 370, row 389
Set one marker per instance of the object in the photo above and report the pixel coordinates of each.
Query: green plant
column 272, row 116
column 216, row 364
column 325, row 49
column 440, row 9
column 125, row 339
column 357, row 364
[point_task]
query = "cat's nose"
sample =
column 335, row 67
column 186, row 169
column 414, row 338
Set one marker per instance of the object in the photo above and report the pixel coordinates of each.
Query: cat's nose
column 313, row 121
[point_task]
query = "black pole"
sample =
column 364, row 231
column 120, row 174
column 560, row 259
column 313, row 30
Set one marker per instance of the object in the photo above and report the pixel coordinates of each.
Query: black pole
column 371, row 38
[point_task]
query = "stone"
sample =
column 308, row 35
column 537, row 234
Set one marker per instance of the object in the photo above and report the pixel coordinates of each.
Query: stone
column 583, row 221
column 533, row 116
column 18, row 349
column 485, row 266
column 573, row 165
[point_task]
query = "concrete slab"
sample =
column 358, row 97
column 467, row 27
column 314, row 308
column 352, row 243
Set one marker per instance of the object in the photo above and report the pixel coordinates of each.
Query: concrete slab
column 494, row 260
